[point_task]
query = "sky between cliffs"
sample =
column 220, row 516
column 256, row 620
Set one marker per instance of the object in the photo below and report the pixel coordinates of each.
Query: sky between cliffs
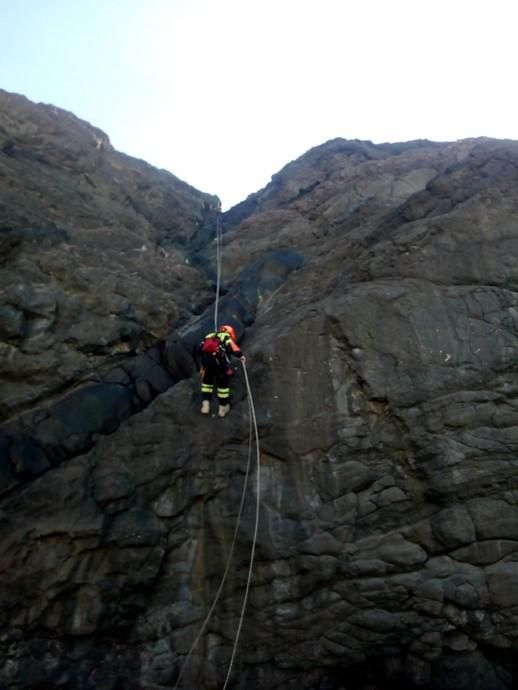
column 223, row 93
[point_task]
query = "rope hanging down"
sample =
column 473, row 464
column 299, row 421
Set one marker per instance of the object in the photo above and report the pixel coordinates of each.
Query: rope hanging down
column 253, row 427
column 218, row 269
column 254, row 540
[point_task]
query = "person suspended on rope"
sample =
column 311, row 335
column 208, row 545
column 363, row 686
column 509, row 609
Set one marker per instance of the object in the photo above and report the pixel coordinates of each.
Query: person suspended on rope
column 215, row 351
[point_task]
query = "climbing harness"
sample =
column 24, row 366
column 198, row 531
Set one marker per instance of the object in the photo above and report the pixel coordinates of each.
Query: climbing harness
column 253, row 432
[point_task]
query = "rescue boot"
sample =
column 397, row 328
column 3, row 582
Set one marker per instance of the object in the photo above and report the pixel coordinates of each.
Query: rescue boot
column 223, row 410
column 205, row 407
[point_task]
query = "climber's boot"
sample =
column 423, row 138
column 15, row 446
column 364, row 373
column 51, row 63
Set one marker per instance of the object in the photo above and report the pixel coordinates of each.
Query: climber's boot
column 223, row 410
column 205, row 407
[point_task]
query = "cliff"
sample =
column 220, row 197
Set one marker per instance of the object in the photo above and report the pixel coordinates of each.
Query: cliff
column 374, row 289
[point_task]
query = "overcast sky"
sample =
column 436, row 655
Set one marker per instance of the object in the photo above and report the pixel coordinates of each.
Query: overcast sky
column 223, row 93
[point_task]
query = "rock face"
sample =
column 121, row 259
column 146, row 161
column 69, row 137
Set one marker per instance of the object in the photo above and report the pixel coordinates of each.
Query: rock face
column 95, row 252
column 375, row 291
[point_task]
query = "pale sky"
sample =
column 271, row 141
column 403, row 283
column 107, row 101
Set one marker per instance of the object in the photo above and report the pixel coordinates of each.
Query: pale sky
column 224, row 93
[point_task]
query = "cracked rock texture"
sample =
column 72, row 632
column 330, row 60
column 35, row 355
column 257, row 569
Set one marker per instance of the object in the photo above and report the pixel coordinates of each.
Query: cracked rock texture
column 375, row 291
column 95, row 252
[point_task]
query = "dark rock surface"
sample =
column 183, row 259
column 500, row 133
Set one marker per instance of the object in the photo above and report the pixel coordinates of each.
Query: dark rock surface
column 95, row 252
column 375, row 292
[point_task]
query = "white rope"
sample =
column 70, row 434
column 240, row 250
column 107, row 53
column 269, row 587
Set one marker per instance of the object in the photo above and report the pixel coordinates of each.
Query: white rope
column 218, row 268
column 253, row 422
column 254, row 540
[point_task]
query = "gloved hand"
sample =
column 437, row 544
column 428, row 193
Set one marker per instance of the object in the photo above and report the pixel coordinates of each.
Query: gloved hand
column 242, row 359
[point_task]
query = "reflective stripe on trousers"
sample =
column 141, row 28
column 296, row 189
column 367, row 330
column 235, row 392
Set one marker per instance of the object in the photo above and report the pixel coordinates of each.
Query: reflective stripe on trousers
column 223, row 393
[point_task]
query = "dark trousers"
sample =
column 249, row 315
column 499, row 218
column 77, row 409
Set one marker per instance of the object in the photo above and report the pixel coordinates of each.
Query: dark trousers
column 215, row 374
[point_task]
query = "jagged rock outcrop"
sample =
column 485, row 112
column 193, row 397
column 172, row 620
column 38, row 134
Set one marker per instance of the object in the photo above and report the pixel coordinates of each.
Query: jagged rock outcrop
column 96, row 248
column 376, row 290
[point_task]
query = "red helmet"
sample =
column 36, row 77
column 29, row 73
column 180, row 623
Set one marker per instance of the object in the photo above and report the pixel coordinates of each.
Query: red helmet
column 228, row 329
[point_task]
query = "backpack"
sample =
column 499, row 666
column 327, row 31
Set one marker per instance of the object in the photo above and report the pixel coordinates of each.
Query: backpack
column 212, row 345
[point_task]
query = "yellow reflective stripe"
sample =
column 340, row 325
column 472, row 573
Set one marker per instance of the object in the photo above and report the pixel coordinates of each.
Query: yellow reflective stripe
column 223, row 392
column 207, row 387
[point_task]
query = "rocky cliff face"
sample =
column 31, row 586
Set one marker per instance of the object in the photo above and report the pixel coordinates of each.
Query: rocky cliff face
column 96, row 251
column 375, row 290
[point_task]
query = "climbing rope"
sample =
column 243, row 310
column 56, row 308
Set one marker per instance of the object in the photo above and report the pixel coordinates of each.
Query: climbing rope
column 256, row 526
column 253, row 427
column 218, row 269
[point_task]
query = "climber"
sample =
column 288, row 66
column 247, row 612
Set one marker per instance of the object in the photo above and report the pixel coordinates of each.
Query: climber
column 215, row 351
